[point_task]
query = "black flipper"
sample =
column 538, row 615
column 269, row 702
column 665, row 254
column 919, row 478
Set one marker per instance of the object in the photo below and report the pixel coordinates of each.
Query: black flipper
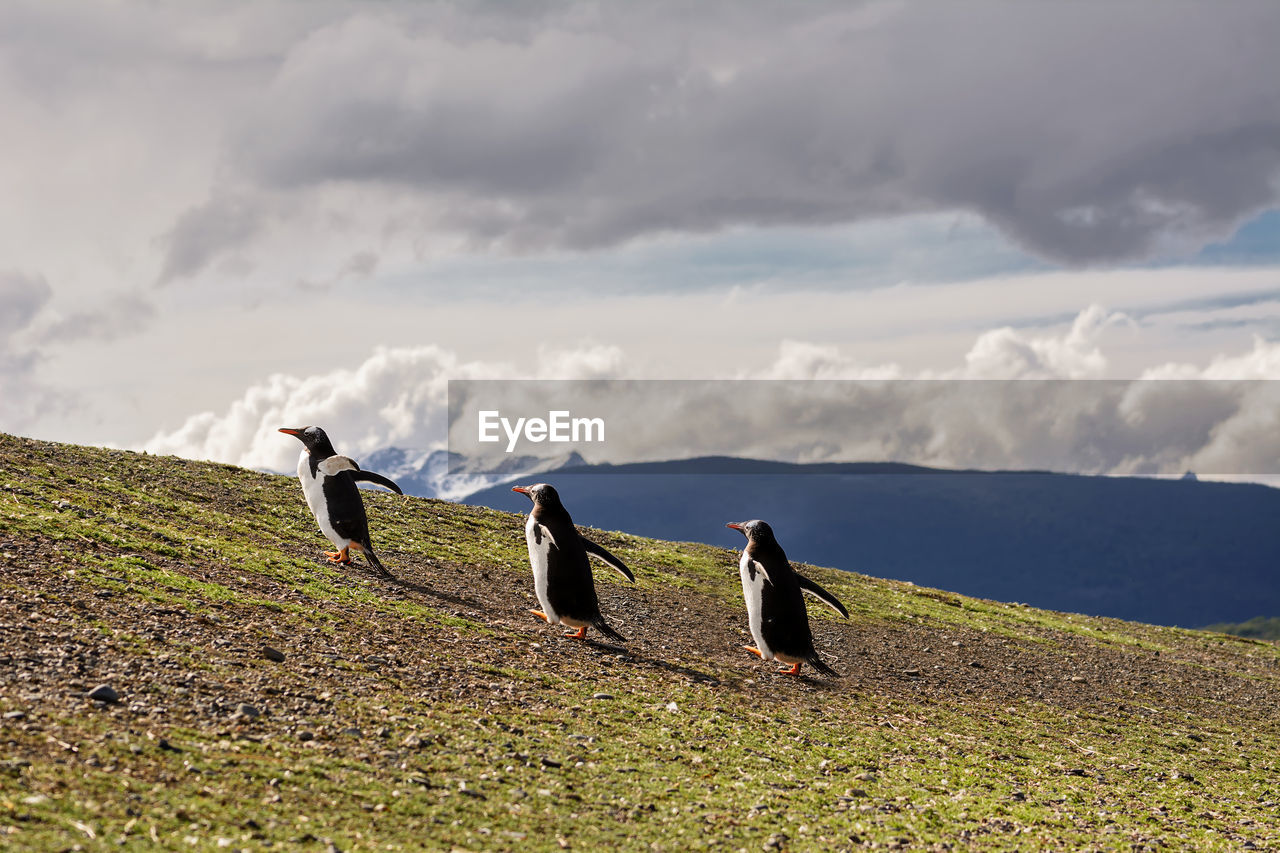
column 593, row 548
column 822, row 595
column 758, row 566
column 378, row 479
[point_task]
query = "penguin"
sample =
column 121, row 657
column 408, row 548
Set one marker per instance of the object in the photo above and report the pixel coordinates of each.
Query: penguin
column 329, row 484
column 775, row 605
column 561, row 572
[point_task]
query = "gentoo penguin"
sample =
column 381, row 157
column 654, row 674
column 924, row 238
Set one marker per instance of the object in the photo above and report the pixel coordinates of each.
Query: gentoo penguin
column 775, row 606
column 561, row 572
column 329, row 484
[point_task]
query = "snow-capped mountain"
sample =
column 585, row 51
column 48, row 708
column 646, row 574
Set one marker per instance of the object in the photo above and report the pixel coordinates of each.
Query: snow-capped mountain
column 441, row 474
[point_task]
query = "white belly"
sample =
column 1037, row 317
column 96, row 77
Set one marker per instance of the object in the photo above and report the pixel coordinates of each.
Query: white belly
column 538, row 559
column 753, row 592
column 313, row 491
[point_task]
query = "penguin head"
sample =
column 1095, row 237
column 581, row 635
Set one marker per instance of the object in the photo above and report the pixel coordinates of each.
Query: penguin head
column 541, row 494
column 313, row 439
column 755, row 530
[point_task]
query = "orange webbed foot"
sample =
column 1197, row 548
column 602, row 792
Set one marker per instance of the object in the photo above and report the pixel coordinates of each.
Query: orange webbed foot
column 342, row 557
column 754, row 651
column 578, row 634
column 792, row 670
column 540, row 615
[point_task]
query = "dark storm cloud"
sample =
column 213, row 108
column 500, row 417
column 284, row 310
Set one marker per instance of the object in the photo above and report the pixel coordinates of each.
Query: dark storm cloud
column 1088, row 132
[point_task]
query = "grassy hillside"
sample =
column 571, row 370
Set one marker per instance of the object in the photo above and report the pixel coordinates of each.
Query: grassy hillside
column 1259, row 627
column 436, row 712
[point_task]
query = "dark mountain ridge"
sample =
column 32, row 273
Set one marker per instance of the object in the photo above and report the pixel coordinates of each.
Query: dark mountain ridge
column 1178, row 552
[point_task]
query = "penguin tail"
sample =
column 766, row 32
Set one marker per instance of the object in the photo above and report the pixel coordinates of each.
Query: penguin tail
column 821, row 666
column 374, row 561
column 605, row 628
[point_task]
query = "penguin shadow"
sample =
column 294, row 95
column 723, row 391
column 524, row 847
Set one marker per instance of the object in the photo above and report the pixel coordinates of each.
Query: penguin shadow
column 368, row 574
column 634, row 656
column 427, row 589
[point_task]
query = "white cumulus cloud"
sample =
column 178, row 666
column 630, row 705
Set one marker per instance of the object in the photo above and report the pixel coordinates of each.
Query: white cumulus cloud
column 396, row 397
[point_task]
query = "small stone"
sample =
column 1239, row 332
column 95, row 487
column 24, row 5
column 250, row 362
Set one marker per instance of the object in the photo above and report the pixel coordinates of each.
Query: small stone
column 104, row 693
column 15, row 715
column 866, row 777
column 1078, row 679
column 352, row 731
column 244, row 709
column 550, row 762
column 601, row 695
column 306, row 735
column 673, row 707
column 912, row 672
column 273, row 654
column 1017, row 795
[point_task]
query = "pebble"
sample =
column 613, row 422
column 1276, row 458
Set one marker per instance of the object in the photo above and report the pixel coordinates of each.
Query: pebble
column 673, row 707
column 104, row 693
column 1078, row 679
column 601, row 695
column 244, row 709
column 911, row 672
column 305, row 735
column 15, row 715
column 273, row 654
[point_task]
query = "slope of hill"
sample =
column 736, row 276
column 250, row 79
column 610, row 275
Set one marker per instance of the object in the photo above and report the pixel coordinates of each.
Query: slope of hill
column 268, row 698
column 1171, row 552
column 1259, row 628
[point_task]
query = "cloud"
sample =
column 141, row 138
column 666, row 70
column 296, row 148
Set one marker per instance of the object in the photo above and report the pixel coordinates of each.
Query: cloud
column 109, row 319
column 398, row 397
column 1019, row 401
column 32, row 329
column 22, row 298
column 1088, row 133
column 220, row 225
column 1006, row 353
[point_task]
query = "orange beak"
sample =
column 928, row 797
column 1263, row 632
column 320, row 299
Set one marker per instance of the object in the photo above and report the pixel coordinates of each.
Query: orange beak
column 521, row 489
column 288, row 431
column 735, row 525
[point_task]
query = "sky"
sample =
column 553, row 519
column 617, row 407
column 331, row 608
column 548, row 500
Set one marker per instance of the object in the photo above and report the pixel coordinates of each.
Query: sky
column 221, row 218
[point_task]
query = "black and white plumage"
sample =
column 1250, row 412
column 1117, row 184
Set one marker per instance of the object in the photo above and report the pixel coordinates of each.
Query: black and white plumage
column 561, row 571
column 329, row 485
column 775, row 603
